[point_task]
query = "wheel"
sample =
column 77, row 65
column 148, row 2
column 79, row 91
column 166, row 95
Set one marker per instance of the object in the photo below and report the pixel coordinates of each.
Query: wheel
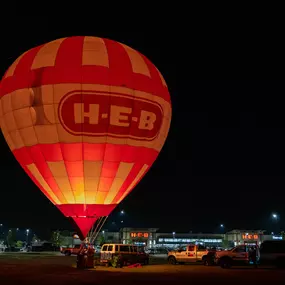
column 146, row 261
column 207, row 261
column 172, row 260
column 225, row 263
column 67, row 253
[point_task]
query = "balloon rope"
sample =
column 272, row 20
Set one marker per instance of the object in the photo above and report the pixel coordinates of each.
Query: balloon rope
column 102, row 224
column 94, row 230
column 90, row 232
column 97, row 232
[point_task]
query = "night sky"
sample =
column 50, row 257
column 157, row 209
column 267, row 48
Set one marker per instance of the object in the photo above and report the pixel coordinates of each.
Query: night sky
column 223, row 161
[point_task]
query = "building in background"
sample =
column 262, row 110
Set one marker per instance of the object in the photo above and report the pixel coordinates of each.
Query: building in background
column 153, row 238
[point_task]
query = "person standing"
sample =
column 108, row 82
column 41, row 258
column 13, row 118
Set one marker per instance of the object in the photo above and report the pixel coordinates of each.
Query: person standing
column 253, row 256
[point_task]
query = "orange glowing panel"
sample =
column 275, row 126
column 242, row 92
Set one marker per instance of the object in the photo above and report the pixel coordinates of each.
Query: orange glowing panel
column 86, row 118
column 139, row 235
column 250, row 236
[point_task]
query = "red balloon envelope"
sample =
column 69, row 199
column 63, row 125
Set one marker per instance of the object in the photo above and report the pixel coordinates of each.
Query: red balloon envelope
column 85, row 117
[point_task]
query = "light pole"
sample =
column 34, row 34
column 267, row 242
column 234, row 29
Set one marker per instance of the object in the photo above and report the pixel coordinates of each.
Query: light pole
column 27, row 233
column 275, row 218
column 222, row 229
column 1, row 228
column 173, row 235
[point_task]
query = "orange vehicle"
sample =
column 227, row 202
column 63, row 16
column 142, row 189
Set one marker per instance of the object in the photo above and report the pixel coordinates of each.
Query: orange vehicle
column 67, row 251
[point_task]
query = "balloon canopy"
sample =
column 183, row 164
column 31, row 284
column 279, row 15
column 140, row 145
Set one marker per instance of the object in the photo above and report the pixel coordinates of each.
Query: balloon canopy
column 86, row 118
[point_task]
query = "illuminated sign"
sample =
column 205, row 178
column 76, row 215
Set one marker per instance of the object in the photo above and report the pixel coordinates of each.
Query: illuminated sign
column 275, row 237
column 139, row 235
column 118, row 115
column 250, row 236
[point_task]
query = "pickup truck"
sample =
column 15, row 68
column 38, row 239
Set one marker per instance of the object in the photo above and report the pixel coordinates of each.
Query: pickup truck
column 67, row 251
column 238, row 255
column 270, row 252
column 190, row 253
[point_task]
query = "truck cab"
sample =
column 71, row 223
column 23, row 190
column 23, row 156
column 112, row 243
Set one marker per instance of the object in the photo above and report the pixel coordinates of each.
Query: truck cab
column 188, row 254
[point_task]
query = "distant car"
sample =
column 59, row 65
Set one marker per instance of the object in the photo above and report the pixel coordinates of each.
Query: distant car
column 67, row 251
column 157, row 251
column 97, row 249
column 24, row 249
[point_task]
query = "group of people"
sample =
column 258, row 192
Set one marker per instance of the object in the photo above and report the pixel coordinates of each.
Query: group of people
column 85, row 256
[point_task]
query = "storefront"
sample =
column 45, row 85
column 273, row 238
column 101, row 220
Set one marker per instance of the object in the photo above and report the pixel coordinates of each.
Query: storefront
column 245, row 237
column 141, row 237
column 151, row 237
column 176, row 240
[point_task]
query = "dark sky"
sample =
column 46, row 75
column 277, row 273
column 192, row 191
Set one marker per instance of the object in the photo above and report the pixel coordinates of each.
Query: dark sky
column 223, row 161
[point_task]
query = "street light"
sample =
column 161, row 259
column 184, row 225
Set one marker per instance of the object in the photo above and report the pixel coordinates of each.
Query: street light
column 275, row 218
column 27, row 232
column 122, row 212
column 221, row 225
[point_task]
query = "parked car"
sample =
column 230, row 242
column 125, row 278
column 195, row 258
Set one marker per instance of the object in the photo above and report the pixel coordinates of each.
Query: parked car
column 157, row 251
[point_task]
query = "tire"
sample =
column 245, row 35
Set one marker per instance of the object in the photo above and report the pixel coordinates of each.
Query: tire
column 207, row 261
column 67, row 253
column 172, row 260
column 225, row 263
column 146, row 262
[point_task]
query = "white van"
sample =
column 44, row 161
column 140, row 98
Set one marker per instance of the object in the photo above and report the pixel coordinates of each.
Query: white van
column 126, row 253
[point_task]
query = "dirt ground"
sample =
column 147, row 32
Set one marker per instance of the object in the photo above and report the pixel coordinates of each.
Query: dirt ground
column 42, row 269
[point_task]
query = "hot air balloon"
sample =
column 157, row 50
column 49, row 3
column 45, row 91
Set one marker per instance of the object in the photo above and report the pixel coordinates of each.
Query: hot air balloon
column 85, row 117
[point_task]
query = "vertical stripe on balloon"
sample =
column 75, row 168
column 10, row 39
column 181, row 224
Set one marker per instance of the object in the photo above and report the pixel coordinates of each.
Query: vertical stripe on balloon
column 138, row 63
column 24, row 65
column 37, row 175
column 121, row 175
column 94, row 52
column 60, row 175
column 11, row 69
column 135, row 181
column 47, row 54
column 69, row 54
